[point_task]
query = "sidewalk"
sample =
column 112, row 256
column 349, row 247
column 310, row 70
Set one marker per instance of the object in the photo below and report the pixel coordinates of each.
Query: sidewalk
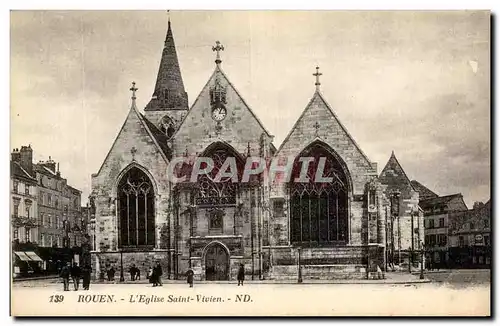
column 34, row 278
column 390, row 278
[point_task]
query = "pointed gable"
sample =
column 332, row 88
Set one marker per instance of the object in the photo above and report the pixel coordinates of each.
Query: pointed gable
column 169, row 90
column 319, row 122
column 395, row 178
column 240, row 128
column 137, row 141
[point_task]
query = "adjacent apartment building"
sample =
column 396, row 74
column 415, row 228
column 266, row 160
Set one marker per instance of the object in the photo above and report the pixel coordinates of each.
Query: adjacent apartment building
column 47, row 223
column 437, row 211
column 470, row 237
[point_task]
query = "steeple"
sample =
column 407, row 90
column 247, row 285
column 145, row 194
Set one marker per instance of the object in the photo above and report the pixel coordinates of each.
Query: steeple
column 169, row 93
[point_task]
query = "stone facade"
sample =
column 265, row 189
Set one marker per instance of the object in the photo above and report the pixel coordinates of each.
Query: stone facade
column 214, row 235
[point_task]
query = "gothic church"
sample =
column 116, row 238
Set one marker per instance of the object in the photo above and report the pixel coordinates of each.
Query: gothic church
column 275, row 229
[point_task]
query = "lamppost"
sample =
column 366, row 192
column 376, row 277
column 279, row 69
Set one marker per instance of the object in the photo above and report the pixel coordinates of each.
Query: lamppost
column 300, row 267
column 422, row 251
column 122, row 277
column 410, row 251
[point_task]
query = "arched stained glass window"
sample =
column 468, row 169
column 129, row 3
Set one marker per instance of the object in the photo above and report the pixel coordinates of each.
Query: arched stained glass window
column 319, row 210
column 136, row 209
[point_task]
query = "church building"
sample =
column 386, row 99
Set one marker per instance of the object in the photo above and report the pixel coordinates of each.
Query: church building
column 275, row 228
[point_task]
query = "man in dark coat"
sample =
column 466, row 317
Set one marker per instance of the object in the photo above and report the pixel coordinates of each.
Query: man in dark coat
column 86, row 271
column 75, row 275
column 190, row 277
column 65, row 274
column 241, row 275
column 132, row 272
column 158, row 272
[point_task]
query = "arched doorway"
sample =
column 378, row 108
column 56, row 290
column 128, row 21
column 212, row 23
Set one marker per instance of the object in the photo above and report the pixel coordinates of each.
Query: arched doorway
column 216, row 263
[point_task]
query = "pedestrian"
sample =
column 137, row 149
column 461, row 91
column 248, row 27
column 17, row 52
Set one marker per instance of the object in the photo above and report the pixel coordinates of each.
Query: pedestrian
column 157, row 271
column 151, row 276
column 241, row 274
column 190, row 277
column 65, row 274
column 132, row 272
column 113, row 271
column 86, row 272
column 111, row 274
column 76, row 273
column 137, row 273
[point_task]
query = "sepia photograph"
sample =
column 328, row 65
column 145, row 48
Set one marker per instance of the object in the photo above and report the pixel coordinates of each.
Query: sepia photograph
column 329, row 163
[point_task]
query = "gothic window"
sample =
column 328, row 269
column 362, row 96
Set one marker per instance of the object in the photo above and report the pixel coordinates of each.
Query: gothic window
column 28, row 212
column 223, row 191
column 15, row 236
column 136, row 207
column 319, row 210
column 27, row 190
column 16, row 186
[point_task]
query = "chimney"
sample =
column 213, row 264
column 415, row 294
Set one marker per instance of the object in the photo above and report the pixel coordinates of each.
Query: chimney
column 16, row 156
column 58, row 173
column 26, row 157
column 50, row 164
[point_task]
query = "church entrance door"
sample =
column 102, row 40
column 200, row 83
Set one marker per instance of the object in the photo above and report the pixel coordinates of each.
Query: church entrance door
column 216, row 263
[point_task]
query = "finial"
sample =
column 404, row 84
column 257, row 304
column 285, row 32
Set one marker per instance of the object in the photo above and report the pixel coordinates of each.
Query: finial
column 218, row 47
column 133, row 89
column 168, row 16
column 317, row 74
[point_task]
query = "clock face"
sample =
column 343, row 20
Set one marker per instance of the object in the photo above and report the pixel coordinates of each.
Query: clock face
column 219, row 113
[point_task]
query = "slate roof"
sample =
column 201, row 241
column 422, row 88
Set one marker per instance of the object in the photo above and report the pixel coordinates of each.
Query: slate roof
column 160, row 137
column 423, row 191
column 17, row 171
column 442, row 200
column 394, row 176
column 169, row 80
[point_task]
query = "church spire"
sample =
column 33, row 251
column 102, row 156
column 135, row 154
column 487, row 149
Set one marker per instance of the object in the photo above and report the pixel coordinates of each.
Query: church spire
column 169, row 90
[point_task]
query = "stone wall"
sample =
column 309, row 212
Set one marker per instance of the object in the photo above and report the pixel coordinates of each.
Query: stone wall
column 149, row 159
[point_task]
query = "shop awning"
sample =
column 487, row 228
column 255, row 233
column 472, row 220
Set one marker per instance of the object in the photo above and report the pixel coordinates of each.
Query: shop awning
column 22, row 255
column 33, row 256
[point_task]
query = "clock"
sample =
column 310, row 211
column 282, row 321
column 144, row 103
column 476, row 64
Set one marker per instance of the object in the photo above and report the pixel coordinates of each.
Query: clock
column 219, row 113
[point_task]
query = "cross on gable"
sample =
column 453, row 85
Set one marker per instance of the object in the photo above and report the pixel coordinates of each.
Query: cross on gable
column 316, row 126
column 218, row 47
column 317, row 74
column 133, row 89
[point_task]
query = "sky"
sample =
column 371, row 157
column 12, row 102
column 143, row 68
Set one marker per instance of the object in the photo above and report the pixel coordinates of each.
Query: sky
column 416, row 83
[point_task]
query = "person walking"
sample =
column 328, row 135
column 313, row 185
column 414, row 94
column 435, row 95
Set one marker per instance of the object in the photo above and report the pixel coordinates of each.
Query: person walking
column 151, row 276
column 111, row 274
column 132, row 272
column 241, row 274
column 86, row 272
column 190, row 277
column 158, row 272
column 65, row 274
column 75, row 275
